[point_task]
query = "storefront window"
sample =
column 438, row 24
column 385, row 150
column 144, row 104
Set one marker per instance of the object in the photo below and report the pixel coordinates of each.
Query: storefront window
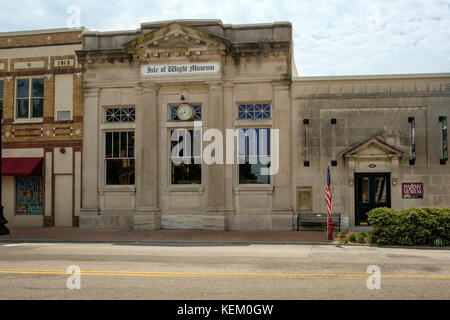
column 29, row 196
column 254, row 155
column 186, row 157
column 119, row 156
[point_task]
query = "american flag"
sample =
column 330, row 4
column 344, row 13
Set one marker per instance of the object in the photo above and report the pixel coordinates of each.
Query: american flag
column 328, row 194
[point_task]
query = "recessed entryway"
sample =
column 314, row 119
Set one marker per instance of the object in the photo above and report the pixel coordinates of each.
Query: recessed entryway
column 372, row 190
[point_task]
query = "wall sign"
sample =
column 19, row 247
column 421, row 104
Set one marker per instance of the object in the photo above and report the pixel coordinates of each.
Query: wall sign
column 64, row 63
column 29, row 196
column 180, row 69
column 412, row 190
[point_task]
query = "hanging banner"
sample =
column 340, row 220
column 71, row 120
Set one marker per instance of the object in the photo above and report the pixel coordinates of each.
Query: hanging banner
column 413, row 140
column 444, row 140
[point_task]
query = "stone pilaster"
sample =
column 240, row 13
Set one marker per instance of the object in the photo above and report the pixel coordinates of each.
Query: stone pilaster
column 214, row 218
column 281, row 113
column 229, row 118
column 351, row 166
column 147, row 214
column 90, row 207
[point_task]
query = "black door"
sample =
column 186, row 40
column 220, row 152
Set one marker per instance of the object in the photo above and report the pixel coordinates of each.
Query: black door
column 372, row 190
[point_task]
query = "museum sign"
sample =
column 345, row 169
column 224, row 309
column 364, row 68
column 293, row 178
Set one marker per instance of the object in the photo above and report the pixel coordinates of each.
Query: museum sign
column 412, row 190
column 180, row 69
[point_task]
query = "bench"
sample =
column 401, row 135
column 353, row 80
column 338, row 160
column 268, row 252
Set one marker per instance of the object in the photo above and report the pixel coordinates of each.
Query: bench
column 317, row 221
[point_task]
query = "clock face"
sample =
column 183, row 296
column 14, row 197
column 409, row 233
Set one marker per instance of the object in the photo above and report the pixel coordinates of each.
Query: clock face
column 185, row 112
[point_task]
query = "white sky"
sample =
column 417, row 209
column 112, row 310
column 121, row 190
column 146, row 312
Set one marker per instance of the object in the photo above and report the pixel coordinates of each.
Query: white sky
column 331, row 37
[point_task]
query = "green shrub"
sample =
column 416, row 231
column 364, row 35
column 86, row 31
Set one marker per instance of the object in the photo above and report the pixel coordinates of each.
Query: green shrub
column 343, row 234
column 370, row 236
column 352, row 237
column 413, row 226
column 362, row 238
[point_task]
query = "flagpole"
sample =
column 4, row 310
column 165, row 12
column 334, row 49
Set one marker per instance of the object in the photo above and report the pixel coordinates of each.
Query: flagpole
column 329, row 201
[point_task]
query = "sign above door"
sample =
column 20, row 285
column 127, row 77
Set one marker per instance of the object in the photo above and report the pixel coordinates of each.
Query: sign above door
column 180, row 69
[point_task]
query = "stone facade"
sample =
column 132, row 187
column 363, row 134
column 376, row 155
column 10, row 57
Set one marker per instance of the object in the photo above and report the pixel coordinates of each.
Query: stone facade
column 56, row 134
column 255, row 66
column 370, row 132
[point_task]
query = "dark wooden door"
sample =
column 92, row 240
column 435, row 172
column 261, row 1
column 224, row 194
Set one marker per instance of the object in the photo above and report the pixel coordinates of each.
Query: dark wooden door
column 372, row 190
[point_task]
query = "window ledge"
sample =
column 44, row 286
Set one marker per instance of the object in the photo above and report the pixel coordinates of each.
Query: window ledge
column 28, row 121
column 108, row 189
column 253, row 188
column 183, row 124
column 253, row 122
column 118, row 125
column 63, row 121
column 186, row 189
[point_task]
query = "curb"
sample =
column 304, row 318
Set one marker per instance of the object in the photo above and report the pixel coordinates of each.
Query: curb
column 210, row 242
column 144, row 242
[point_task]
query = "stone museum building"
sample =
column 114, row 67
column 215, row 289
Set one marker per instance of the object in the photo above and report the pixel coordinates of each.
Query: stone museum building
column 103, row 141
column 42, row 103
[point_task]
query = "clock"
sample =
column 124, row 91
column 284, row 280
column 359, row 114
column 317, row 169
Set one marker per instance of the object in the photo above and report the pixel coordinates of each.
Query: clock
column 185, row 112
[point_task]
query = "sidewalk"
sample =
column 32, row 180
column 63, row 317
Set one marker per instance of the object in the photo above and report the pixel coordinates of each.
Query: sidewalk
column 165, row 236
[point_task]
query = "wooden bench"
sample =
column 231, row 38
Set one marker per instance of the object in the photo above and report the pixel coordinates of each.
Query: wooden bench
column 317, row 221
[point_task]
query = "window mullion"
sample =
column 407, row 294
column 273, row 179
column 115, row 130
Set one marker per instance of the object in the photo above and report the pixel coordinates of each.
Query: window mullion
column 30, row 100
column 125, row 152
column 113, row 144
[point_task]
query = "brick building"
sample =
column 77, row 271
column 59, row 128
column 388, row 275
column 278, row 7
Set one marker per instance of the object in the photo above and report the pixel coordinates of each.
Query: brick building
column 41, row 93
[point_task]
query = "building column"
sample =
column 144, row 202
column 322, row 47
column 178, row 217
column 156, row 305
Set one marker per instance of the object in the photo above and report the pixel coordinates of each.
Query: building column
column 214, row 217
column 349, row 221
column 229, row 118
column 282, row 212
column 147, row 214
column 89, row 205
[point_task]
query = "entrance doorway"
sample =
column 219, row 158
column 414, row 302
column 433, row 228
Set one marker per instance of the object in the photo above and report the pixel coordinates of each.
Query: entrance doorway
column 372, row 190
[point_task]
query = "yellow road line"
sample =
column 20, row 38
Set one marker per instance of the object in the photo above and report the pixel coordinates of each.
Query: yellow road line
column 211, row 274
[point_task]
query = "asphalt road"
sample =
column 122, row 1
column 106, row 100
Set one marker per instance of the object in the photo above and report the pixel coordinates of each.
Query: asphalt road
column 209, row 271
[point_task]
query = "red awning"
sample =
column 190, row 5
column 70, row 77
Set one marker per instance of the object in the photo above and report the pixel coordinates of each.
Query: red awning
column 31, row 167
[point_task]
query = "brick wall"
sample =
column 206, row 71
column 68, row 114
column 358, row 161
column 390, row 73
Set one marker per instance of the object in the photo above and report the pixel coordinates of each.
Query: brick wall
column 44, row 39
column 24, row 135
